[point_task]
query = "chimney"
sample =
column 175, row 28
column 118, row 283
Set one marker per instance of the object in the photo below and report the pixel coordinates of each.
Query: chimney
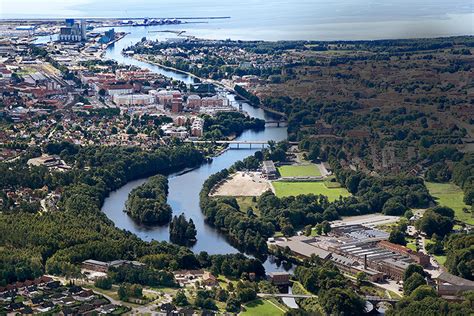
column 365, row 262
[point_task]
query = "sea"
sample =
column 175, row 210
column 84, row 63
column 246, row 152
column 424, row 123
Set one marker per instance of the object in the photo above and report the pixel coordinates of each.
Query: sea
column 274, row 20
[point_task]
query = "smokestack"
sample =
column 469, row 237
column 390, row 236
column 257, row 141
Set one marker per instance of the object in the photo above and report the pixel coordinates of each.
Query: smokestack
column 365, row 262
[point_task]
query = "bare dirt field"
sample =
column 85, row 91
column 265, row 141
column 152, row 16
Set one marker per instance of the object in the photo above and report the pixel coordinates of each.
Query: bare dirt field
column 242, row 184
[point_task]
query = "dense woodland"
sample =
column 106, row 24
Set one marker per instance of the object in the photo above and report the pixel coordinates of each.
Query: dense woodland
column 56, row 242
column 182, row 231
column 147, row 203
column 225, row 124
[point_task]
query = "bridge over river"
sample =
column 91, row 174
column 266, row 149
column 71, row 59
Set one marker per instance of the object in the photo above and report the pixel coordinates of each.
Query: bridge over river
column 372, row 299
column 261, row 143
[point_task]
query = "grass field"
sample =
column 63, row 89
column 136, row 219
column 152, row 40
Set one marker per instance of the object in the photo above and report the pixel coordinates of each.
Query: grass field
column 297, row 188
column 262, row 308
column 441, row 259
column 245, row 202
column 450, row 195
column 299, row 171
column 411, row 243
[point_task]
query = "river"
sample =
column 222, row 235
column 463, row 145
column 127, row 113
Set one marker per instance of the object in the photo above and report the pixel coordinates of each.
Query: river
column 184, row 188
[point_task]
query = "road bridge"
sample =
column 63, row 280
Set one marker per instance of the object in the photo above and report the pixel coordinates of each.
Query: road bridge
column 275, row 122
column 261, row 143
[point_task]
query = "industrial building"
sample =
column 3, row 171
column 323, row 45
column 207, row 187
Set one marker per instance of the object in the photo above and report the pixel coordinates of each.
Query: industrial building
column 133, row 99
column 355, row 248
column 108, row 37
column 73, row 31
column 269, row 170
column 101, row 266
column 451, row 286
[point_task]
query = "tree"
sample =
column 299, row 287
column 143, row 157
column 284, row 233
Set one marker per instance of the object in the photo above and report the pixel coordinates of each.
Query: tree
column 413, row 282
column 460, row 254
column 308, row 229
column 122, row 293
column 319, row 229
column 182, row 232
column 147, row 203
column 180, row 299
column 102, row 92
column 413, row 268
column 436, row 248
column 104, row 283
column 361, row 278
column 394, row 207
column 288, row 230
column 443, row 211
column 422, row 292
column 434, row 222
column 397, row 237
column 232, row 305
column 337, row 301
column 326, row 227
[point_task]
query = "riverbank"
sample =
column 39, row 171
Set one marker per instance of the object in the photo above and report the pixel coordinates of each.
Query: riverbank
column 184, row 187
column 230, row 89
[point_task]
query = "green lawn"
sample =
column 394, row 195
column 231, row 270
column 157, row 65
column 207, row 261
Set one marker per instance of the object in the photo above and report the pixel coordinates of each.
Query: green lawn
column 411, row 243
column 297, row 188
column 262, row 308
column 450, row 195
column 245, row 202
column 441, row 259
column 299, row 171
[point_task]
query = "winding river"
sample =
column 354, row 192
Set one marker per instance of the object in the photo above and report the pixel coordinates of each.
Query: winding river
column 184, row 187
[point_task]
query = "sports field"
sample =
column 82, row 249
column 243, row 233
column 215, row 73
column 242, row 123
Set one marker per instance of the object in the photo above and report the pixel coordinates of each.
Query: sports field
column 310, row 170
column 296, row 188
column 262, row 308
column 450, row 195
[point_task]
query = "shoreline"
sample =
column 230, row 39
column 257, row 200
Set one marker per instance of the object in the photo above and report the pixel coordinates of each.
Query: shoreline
column 142, row 58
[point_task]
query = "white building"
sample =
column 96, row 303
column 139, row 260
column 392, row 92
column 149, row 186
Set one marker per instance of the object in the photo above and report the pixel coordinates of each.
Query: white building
column 133, row 99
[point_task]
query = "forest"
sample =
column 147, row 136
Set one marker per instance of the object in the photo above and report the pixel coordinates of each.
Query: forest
column 57, row 242
column 226, row 124
column 182, row 231
column 147, row 203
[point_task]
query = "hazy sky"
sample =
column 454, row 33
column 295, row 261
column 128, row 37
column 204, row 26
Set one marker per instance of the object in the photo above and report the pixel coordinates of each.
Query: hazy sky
column 372, row 9
column 275, row 19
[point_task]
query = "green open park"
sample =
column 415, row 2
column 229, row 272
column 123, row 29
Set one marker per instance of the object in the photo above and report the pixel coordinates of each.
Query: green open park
column 309, row 170
column 296, row 188
column 262, row 308
column 450, row 195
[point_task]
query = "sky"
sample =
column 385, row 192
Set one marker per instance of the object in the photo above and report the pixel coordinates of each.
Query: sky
column 342, row 9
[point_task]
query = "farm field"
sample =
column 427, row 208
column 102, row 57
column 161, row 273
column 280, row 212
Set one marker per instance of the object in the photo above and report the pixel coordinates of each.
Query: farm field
column 450, row 195
column 262, row 308
column 295, row 188
column 310, row 170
